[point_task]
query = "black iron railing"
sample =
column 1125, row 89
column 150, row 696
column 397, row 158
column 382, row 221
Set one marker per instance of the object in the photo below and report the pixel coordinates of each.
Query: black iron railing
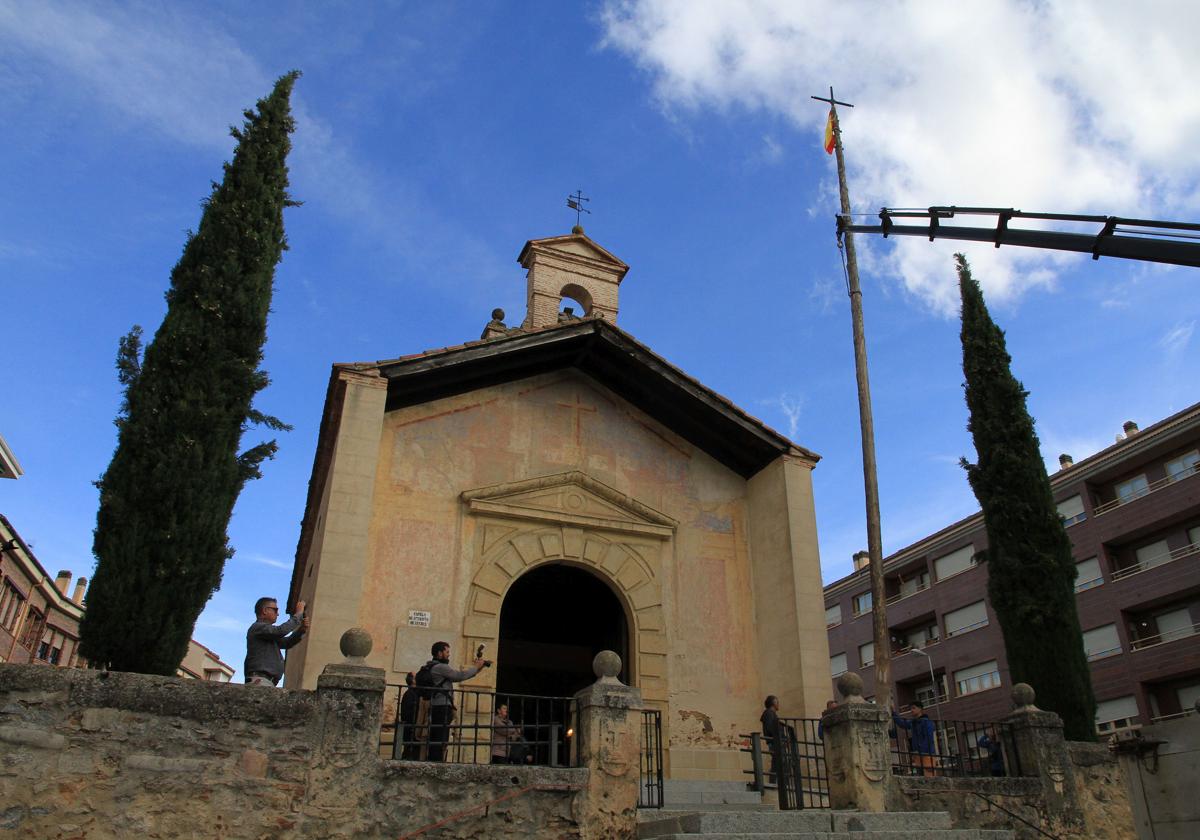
column 953, row 748
column 793, row 764
column 650, row 794
column 470, row 729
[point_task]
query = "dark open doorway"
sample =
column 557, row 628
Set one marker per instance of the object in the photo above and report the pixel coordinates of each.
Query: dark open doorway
column 553, row 622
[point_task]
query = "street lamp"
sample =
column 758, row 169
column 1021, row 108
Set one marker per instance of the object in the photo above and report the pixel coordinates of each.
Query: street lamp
column 933, row 684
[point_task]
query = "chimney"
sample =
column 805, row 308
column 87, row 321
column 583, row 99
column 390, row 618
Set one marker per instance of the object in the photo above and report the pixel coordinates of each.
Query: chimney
column 861, row 560
column 1064, row 461
column 62, row 581
column 1130, row 428
column 80, row 588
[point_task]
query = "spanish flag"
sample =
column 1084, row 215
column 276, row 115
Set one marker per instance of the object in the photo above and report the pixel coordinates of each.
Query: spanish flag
column 829, row 141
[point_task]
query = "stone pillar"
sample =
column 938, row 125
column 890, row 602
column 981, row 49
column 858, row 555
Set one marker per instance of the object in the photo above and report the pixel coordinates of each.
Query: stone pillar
column 609, row 745
column 1042, row 749
column 856, row 750
column 346, row 752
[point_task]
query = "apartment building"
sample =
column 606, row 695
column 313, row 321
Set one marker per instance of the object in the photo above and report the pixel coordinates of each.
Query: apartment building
column 1132, row 512
column 39, row 620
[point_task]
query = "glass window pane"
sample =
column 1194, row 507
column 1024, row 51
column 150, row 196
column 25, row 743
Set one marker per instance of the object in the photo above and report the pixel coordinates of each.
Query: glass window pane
column 837, row 664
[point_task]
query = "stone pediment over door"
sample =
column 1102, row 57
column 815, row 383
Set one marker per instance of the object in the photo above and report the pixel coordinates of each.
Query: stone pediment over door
column 572, row 498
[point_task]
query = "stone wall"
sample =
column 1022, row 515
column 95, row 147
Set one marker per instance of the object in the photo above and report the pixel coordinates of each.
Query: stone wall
column 1162, row 764
column 87, row 754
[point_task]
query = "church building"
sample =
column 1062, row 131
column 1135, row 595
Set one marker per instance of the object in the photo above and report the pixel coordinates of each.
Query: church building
column 556, row 489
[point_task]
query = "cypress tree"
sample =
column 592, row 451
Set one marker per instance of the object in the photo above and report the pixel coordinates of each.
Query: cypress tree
column 1031, row 574
column 168, row 494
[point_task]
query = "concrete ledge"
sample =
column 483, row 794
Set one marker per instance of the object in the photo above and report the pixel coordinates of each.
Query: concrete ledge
column 988, row 786
column 501, row 775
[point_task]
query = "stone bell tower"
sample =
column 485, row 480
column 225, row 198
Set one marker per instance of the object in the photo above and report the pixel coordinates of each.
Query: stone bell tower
column 571, row 266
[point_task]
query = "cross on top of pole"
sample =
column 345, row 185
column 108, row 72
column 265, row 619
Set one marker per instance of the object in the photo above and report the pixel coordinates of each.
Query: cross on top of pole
column 830, row 99
column 575, row 202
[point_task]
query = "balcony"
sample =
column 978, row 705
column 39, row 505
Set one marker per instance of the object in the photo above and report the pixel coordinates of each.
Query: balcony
column 1163, row 638
column 1154, row 562
column 1141, row 492
column 921, row 586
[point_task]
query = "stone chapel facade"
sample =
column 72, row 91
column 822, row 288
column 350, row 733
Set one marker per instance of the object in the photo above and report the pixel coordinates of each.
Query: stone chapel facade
column 557, row 488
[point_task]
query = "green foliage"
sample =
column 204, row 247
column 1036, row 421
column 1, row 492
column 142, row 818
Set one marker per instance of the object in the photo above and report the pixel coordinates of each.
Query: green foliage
column 168, row 494
column 1031, row 574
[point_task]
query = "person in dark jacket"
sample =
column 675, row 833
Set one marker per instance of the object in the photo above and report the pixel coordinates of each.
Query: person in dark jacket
column 995, row 755
column 770, row 730
column 265, row 641
column 409, row 704
column 920, row 738
column 441, row 701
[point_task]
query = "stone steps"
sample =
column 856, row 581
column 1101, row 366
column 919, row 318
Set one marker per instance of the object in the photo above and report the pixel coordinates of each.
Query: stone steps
column 725, row 824
column 681, row 793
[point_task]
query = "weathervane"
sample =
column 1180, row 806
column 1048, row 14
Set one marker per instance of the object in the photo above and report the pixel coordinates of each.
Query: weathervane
column 575, row 202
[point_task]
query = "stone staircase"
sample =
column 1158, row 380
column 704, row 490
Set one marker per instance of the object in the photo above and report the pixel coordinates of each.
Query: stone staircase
column 728, row 811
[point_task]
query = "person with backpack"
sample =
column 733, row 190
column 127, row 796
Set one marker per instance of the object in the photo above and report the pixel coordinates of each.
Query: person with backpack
column 436, row 680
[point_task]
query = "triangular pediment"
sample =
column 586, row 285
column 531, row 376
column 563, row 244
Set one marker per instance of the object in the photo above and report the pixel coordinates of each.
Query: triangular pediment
column 572, row 498
column 572, row 245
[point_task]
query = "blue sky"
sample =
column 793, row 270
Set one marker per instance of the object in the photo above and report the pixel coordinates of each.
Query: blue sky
column 434, row 139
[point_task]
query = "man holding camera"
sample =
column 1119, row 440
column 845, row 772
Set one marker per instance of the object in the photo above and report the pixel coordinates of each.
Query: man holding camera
column 441, row 700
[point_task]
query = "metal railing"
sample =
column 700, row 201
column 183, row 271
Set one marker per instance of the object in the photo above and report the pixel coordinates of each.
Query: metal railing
column 1156, row 561
column 1142, row 492
column 1163, row 638
column 794, row 766
column 469, row 730
column 954, row 748
column 901, row 595
column 650, row 765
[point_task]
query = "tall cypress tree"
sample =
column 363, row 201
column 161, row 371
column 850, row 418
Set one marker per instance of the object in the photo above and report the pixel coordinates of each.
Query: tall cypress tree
column 1031, row 574
column 168, row 494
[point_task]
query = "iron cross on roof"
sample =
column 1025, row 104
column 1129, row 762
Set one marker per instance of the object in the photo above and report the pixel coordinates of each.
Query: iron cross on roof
column 575, row 202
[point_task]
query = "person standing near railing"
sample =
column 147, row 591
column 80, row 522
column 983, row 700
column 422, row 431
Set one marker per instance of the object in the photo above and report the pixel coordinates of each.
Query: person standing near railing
column 437, row 678
column 409, row 706
column 770, row 730
column 920, row 739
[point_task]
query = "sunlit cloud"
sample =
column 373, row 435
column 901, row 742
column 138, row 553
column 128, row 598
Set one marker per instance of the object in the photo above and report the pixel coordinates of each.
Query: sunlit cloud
column 993, row 104
column 1176, row 340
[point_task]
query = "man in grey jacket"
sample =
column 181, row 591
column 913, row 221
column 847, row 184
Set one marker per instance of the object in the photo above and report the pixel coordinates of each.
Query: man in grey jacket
column 441, row 695
column 265, row 640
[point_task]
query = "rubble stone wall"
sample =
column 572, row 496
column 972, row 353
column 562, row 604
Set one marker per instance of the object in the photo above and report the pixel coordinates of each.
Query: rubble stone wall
column 87, row 754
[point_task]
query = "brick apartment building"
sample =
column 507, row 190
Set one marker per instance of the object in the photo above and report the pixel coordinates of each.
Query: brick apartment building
column 39, row 620
column 1132, row 512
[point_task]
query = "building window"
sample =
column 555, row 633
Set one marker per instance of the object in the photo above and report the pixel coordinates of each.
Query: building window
column 919, row 637
column 1183, row 466
column 918, row 582
column 862, row 603
column 1100, row 642
column 1118, row 713
column 954, row 563
column 837, row 664
column 1155, row 554
column 966, row 619
column 32, row 630
column 833, row 615
column 10, row 605
column 1071, row 511
column 930, row 694
column 977, row 678
column 1132, row 489
column 1088, row 574
column 43, row 651
column 866, row 654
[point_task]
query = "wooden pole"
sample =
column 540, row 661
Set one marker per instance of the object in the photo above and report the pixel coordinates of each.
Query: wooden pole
column 883, row 646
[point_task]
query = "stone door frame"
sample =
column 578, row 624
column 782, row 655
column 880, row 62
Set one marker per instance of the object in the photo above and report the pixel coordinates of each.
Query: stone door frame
column 573, row 519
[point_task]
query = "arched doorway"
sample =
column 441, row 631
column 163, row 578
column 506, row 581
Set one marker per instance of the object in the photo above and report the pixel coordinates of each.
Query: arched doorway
column 554, row 620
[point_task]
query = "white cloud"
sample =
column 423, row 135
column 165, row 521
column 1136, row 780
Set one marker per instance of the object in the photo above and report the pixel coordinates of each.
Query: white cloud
column 173, row 72
column 1176, row 340
column 268, row 561
column 1040, row 107
column 792, row 408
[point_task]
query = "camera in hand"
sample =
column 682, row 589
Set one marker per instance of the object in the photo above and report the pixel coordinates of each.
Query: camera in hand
column 487, row 663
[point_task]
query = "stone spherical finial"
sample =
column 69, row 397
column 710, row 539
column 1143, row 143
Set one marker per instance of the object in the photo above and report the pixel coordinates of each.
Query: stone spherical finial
column 577, row 229
column 850, row 686
column 497, row 314
column 606, row 666
column 1022, row 695
column 356, row 643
